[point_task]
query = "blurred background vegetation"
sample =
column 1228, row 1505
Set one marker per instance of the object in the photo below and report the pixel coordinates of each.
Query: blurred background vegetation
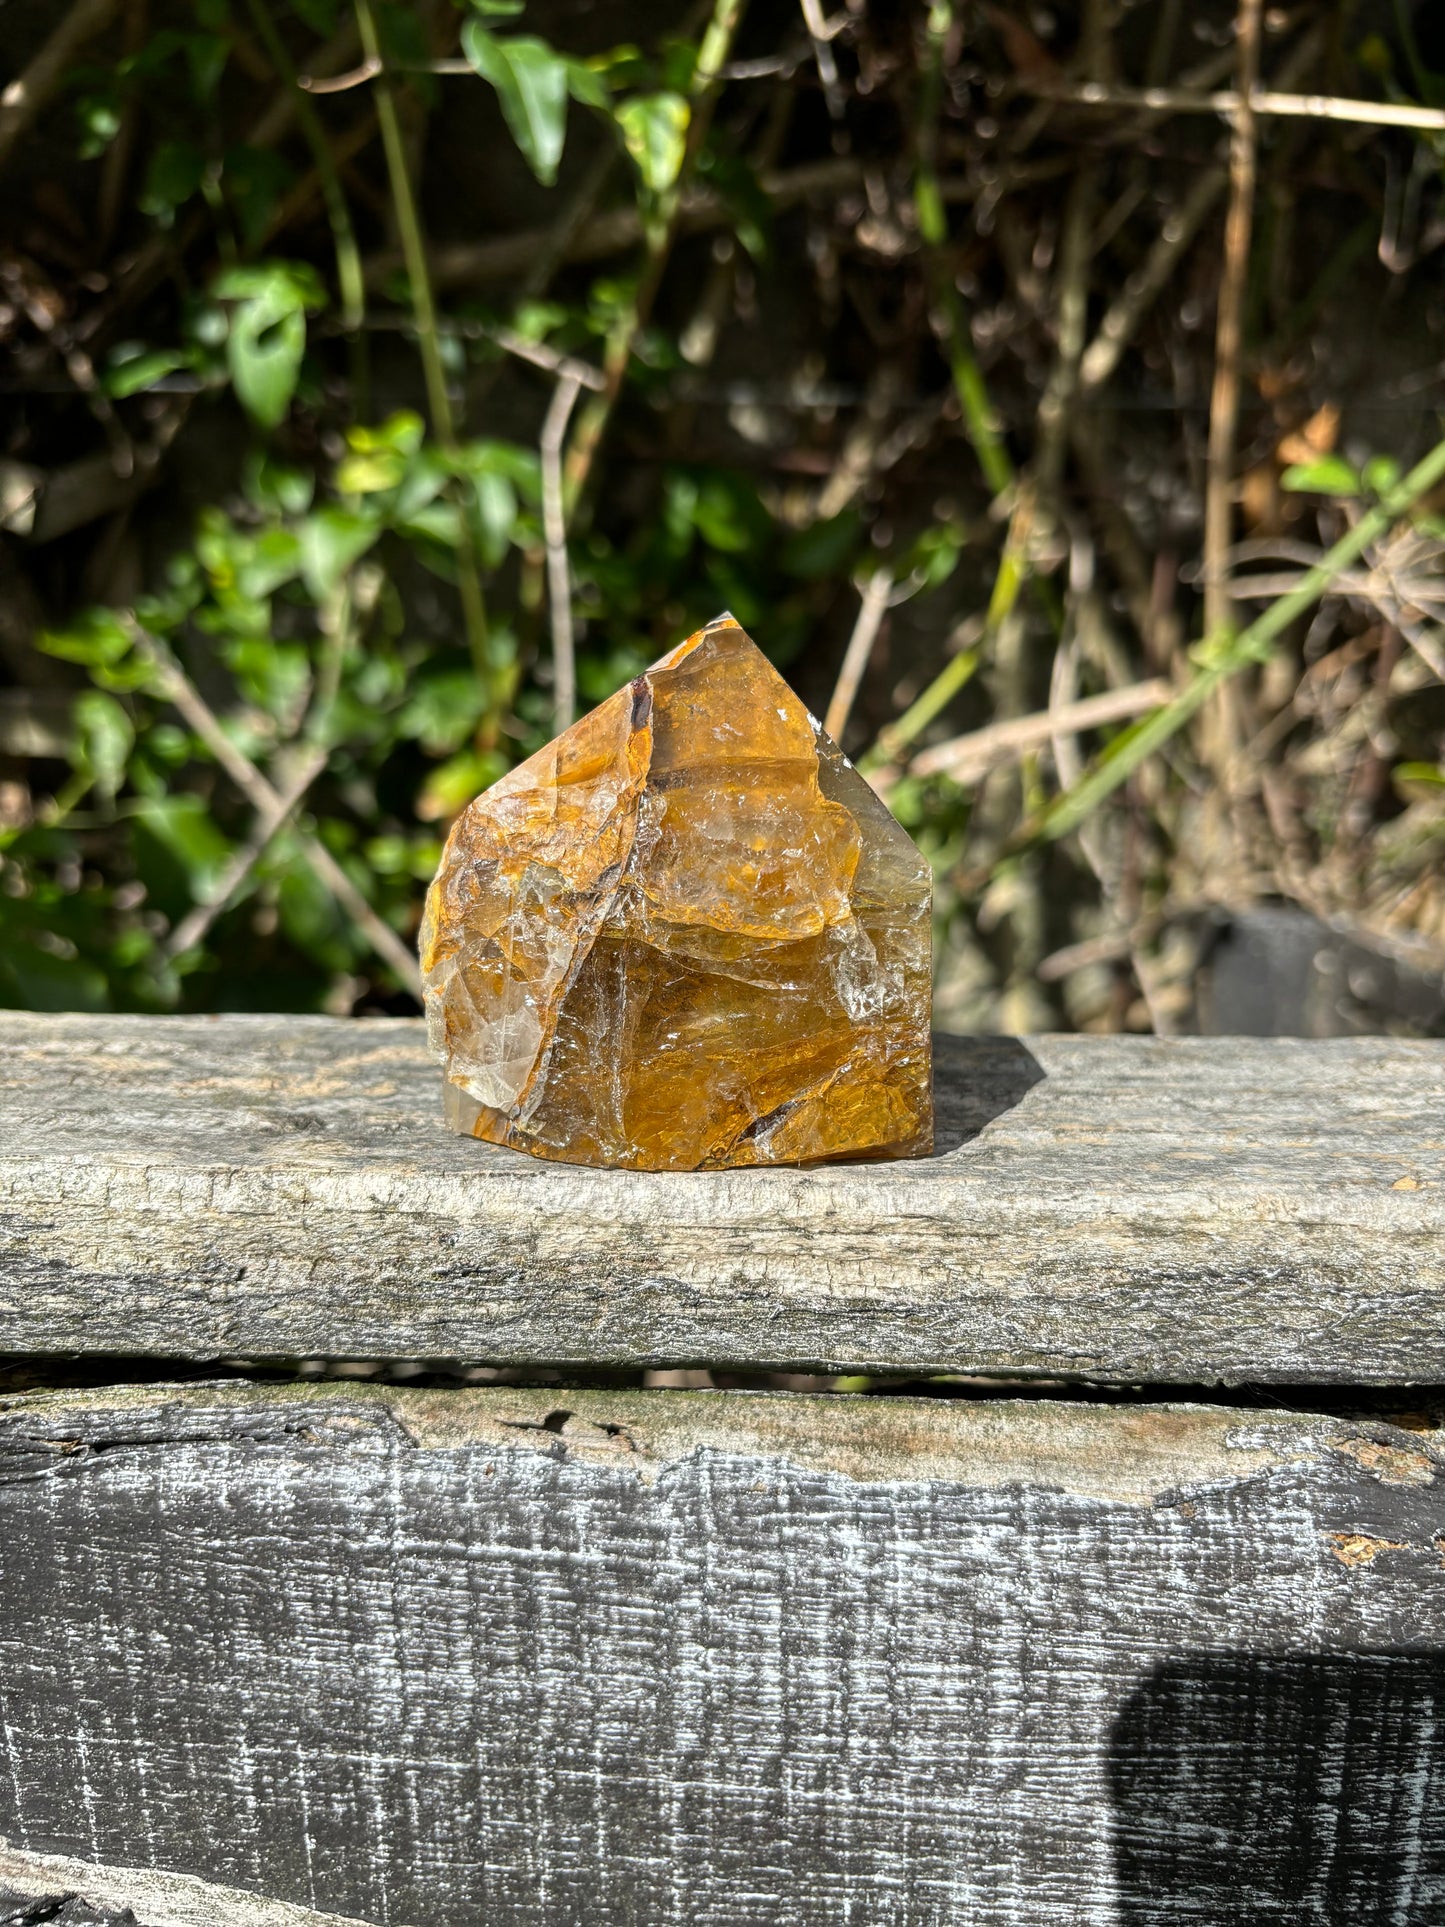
column 383, row 383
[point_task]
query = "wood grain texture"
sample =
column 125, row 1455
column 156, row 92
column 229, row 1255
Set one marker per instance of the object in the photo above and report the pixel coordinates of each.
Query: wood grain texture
column 1126, row 1209
column 458, row 1657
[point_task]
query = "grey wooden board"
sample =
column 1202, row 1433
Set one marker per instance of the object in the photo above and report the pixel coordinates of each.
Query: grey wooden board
column 1129, row 1209
column 465, row 1657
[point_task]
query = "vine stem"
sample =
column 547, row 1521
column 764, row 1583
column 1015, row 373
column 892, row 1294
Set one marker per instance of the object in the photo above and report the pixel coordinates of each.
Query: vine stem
column 413, row 248
column 348, row 255
column 979, row 417
column 660, row 230
column 1222, row 655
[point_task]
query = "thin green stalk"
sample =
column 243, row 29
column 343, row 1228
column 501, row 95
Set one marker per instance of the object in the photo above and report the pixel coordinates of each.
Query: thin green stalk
column 1225, row 654
column 893, row 740
column 413, row 248
column 660, row 227
column 979, row 419
column 1012, row 574
column 343, row 234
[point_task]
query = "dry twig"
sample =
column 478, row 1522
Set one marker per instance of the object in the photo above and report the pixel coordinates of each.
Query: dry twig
column 269, row 823
column 267, row 801
column 554, row 530
column 871, row 610
column 1228, row 340
column 965, row 758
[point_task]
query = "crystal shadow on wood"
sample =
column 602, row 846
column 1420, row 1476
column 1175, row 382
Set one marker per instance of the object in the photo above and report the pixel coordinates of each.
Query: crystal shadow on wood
column 975, row 1080
column 1251, row 1789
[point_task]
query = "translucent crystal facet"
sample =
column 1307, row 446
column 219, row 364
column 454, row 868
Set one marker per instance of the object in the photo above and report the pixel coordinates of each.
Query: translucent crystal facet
column 684, row 935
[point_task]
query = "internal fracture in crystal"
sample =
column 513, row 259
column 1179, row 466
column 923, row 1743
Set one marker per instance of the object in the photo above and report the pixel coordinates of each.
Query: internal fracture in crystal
column 684, row 935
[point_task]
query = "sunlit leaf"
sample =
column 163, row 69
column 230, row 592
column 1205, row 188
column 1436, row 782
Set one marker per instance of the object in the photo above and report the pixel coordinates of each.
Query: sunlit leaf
column 531, row 82
column 453, row 784
column 134, row 369
column 654, row 127
column 331, row 540
column 105, row 736
column 369, row 474
column 1330, row 475
column 267, row 335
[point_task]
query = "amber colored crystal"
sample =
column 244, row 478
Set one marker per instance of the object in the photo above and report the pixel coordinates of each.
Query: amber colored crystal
column 684, row 935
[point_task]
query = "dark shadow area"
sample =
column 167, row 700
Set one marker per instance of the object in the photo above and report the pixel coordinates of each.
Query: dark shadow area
column 1252, row 1788
column 975, row 1080
column 1277, row 971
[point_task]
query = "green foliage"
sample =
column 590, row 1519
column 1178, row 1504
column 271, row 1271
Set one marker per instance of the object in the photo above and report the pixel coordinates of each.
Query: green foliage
column 532, row 84
column 654, row 128
column 267, row 336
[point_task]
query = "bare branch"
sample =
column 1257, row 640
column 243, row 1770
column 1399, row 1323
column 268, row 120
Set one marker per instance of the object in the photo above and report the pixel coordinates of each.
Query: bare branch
column 269, row 822
column 1228, row 340
column 871, row 610
column 178, row 689
column 967, row 757
column 554, row 530
column 342, row 83
column 1183, row 100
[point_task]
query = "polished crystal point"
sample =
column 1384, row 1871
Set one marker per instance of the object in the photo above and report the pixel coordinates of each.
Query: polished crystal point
column 684, row 935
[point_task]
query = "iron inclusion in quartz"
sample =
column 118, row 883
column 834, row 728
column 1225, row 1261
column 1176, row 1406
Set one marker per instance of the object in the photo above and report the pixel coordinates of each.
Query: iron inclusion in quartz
column 684, row 935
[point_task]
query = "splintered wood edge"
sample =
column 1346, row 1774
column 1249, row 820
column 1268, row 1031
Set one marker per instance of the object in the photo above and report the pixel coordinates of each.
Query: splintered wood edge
column 151, row 1899
column 1126, row 1454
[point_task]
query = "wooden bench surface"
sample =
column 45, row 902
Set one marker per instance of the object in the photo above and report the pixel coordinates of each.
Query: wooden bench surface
column 648, row 1659
column 1123, row 1209
column 1120, row 1209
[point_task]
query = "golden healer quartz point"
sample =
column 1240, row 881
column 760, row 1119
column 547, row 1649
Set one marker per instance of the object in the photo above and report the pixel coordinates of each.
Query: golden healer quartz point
column 685, row 935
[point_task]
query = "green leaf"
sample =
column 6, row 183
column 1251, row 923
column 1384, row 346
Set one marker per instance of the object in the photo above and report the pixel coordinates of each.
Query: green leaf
column 255, row 178
column 496, row 501
column 654, row 127
column 487, row 457
column 586, row 84
column 1380, row 474
column 275, row 487
column 275, row 558
column 371, row 473
column 96, row 638
column 180, row 850
column 531, row 83
column 679, row 64
column 39, row 980
column 105, row 738
column 442, row 709
column 1428, row 776
column 401, row 433
column 134, row 368
column 1331, row 475
column 499, row 9
column 331, row 540
column 453, row 784
column 267, row 335
column 173, row 176
column 379, row 456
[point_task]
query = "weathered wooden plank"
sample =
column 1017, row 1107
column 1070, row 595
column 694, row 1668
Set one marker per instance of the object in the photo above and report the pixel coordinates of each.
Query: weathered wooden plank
column 455, row 1657
column 1130, row 1209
